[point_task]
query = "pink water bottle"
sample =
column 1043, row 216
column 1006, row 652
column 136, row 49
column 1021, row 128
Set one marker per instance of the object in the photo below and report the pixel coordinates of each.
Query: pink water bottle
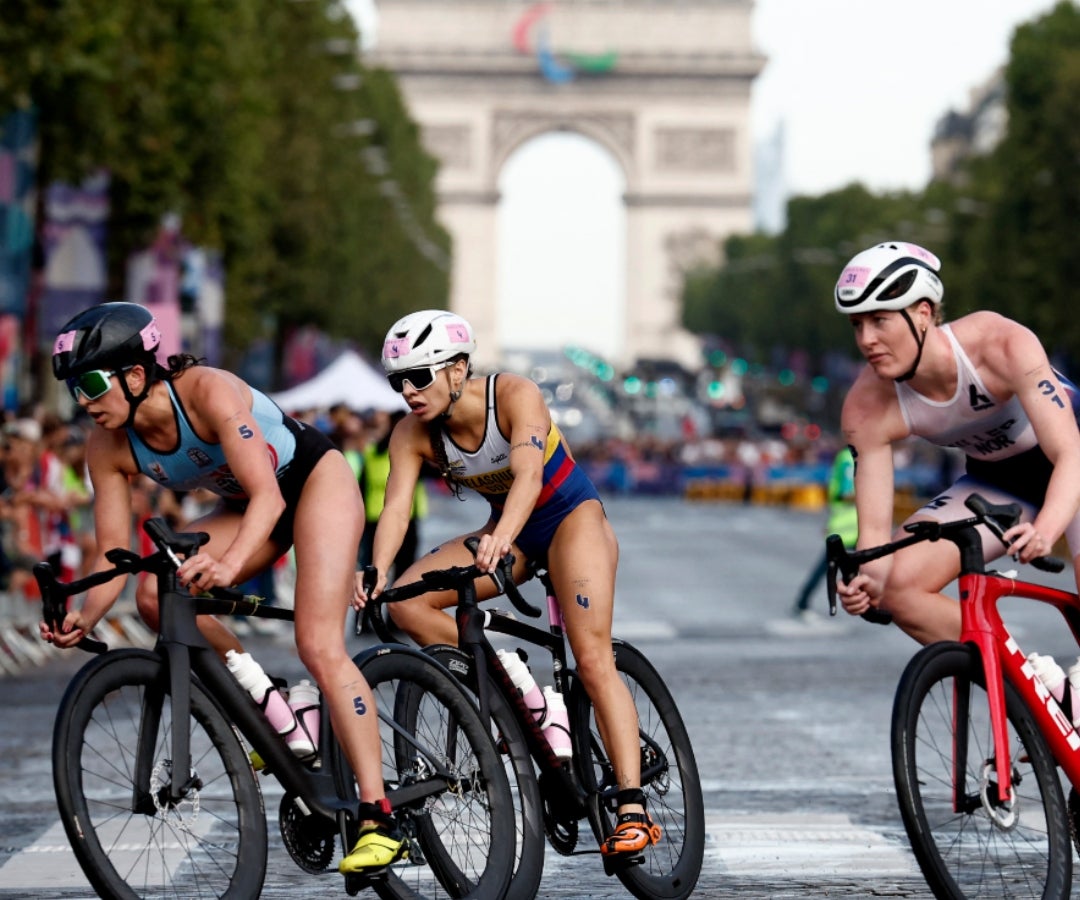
column 275, row 707
column 522, row 678
column 304, row 701
column 556, row 724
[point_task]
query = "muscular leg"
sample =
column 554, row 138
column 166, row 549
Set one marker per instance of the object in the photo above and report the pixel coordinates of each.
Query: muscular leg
column 328, row 524
column 913, row 592
column 582, row 559
column 422, row 618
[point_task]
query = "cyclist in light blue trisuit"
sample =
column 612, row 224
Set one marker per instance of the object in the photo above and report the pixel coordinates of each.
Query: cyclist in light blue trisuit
column 281, row 483
column 983, row 385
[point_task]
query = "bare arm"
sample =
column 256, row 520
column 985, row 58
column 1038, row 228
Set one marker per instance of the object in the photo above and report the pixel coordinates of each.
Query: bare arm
column 1020, row 362
column 110, row 466
column 409, row 445
column 221, row 405
column 871, row 422
column 529, row 421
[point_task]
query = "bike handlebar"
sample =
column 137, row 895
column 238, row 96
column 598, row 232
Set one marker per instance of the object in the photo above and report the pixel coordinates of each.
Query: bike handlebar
column 998, row 518
column 170, row 544
column 454, row 578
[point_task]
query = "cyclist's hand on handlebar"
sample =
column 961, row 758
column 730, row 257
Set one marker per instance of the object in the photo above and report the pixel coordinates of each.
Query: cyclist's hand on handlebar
column 1025, row 543
column 493, row 547
column 200, row 572
column 73, row 629
column 360, row 595
column 863, row 592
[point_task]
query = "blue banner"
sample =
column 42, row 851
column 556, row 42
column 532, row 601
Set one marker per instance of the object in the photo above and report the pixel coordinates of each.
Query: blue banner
column 18, row 165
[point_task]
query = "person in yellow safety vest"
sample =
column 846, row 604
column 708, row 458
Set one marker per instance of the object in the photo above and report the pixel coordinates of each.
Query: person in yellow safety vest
column 842, row 520
column 374, row 470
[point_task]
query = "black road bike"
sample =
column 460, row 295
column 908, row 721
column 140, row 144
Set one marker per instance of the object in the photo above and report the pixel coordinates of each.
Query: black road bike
column 158, row 794
column 552, row 796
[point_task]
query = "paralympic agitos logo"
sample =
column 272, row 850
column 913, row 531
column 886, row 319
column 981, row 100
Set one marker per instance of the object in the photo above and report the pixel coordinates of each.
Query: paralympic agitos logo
column 531, row 36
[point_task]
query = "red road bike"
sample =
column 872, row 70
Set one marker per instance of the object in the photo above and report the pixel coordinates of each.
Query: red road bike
column 978, row 741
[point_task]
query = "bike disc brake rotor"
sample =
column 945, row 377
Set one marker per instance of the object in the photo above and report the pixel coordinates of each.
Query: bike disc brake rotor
column 185, row 811
column 308, row 838
column 1006, row 815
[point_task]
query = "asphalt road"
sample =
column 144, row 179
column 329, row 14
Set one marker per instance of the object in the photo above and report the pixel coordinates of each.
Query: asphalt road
column 790, row 720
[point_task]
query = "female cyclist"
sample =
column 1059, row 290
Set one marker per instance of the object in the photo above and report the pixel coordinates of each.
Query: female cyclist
column 281, row 482
column 982, row 384
column 495, row 435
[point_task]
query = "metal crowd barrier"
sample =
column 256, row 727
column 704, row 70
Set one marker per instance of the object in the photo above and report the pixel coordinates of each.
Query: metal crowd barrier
column 22, row 648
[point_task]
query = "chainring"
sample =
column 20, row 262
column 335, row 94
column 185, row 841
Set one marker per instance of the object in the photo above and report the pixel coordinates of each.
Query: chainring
column 560, row 817
column 310, row 839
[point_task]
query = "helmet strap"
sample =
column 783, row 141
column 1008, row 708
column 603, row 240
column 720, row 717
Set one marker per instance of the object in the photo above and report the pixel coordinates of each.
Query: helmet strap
column 920, row 339
column 454, row 395
column 133, row 399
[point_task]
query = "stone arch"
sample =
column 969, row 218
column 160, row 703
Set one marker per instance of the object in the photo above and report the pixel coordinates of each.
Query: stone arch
column 613, row 132
column 673, row 110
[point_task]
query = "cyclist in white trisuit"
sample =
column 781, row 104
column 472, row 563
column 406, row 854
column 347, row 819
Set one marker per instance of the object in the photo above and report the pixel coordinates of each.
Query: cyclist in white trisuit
column 983, row 385
column 495, row 436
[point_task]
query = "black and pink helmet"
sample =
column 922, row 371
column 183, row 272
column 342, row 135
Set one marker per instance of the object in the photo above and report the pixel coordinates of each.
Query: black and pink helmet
column 110, row 336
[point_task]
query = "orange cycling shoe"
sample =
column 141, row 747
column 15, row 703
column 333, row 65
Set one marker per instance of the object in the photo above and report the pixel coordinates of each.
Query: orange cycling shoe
column 633, row 833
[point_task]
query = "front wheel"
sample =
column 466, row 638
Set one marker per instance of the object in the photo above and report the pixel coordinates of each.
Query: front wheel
column 512, row 747
column 113, row 775
column 968, row 842
column 669, row 778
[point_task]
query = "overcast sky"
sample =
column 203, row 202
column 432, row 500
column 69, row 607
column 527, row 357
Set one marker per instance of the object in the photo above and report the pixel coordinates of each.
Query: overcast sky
column 858, row 86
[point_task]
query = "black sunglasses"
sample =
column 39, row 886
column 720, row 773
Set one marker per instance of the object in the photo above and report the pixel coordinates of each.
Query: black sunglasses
column 420, row 379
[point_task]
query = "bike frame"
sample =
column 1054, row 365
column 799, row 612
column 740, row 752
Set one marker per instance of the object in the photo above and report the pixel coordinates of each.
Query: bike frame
column 1002, row 658
column 473, row 623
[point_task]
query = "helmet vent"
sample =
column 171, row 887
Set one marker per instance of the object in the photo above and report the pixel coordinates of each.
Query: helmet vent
column 423, row 336
column 900, row 286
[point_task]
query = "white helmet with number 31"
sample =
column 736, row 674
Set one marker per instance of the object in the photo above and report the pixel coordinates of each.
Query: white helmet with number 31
column 889, row 276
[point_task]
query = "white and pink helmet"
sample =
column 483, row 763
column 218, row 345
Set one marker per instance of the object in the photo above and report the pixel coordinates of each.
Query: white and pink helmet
column 426, row 338
column 889, row 276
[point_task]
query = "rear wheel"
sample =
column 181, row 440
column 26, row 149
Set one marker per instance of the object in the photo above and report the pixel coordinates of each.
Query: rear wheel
column 444, row 779
column 967, row 841
column 670, row 869
column 112, row 771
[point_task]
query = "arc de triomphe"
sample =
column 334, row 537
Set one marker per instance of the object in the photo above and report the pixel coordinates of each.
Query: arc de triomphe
column 663, row 85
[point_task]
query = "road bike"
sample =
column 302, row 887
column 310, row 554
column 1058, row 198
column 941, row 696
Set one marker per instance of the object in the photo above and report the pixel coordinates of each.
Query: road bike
column 551, row 795
column 155, row 782
column 977, row 739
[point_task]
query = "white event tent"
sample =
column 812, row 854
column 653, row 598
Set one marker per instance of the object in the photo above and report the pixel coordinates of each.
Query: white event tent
column 349, row 380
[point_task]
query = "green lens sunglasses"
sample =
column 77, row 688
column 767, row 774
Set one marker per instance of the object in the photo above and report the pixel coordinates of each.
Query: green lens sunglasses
column 91, row 385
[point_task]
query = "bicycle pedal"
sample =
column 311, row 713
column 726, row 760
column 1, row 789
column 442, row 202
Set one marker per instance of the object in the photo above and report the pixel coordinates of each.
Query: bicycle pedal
column 355, row 882
column 620, row 862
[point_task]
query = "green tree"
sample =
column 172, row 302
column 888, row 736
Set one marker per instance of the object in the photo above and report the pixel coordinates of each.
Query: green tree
column 240, row 115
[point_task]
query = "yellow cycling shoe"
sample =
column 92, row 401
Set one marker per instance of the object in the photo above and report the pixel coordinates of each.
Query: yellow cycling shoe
column 375, row 849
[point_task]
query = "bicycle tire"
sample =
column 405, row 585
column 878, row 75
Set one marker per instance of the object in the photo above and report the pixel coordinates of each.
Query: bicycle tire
column 940, row 704
column 524, row 788
column 670, row 869
column 128, row 843
column 465, row 834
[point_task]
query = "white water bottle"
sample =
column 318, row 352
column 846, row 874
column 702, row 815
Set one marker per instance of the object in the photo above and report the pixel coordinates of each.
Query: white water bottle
column 304, row 701
column 556, row 724
column 1074, row 689
column 271, row 701
column 1050, row 674
column 522, row 679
